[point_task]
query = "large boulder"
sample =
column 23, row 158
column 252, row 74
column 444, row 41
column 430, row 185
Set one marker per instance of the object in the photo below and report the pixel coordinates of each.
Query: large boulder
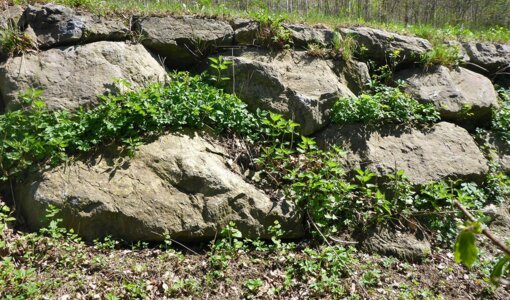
column 180, row 183
column 303, row 35
column 488, row 57
column 246, row 32
column 294, row 84
column 461, row 96
column 76, row 75
column 379, row 44
column 183, row 40
column 443, row 151
column 56, row 25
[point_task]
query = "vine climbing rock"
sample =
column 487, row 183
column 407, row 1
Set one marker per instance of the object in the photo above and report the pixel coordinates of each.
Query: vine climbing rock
column 73, row 76
column 181, row 41
column 442, row 151
column 294, row 84
column 179, row 183
column 377, row 44
column 460, row 95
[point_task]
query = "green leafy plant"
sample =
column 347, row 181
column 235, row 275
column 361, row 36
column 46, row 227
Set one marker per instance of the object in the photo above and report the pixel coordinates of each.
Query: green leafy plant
column 466, row 251
column 36, row 136
column 385, row 105
column 219, row 65
column 271, row 32
column 254, row 284
column 324, row 267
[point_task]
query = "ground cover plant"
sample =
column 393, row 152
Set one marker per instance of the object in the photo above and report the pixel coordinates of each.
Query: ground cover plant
column 381, row 105
column 55, row 263
column 35, row 134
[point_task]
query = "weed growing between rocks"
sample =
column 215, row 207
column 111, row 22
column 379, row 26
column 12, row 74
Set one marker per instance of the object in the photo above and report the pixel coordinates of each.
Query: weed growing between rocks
column 14, row 42
column 442, row 54
column 384, row 105
column 344, row 48
column 271, row 32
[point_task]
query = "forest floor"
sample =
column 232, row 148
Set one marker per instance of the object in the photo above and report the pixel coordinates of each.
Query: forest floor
column 55, row 264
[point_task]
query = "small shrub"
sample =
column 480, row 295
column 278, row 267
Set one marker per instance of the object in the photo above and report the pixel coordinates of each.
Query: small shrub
column 385, row 105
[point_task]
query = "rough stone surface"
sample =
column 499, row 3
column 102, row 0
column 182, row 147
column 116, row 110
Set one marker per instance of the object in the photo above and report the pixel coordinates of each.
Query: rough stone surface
column 73, row 76
column 10, row 16
column 403, row 245
column 179, row 183
column 452, row 92
column 379, row 43
column 245, row 32
column 56, row 25
column 501, row 148
column 431, row 154
column 489, row 56
column 298, row 86
column 499, row 219
column 183, row 40
column 354, row 73
column 303, row 35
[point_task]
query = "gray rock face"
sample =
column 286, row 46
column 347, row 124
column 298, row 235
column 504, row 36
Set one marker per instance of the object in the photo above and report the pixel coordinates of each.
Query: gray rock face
column 431, row 154
column 183, row 40
column 354, row 73
column 303, row 35
column 300, row 87
column 379, row 43
column 502, row 150
column 460, row 95
column 74, row 76
column 245, row 32
column 491, row 57
column 499, row 222
column 56, row 25
column 10, row 16
column 179, row 183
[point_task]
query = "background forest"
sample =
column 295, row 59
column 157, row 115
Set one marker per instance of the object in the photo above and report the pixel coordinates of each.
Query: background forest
column 476, row 13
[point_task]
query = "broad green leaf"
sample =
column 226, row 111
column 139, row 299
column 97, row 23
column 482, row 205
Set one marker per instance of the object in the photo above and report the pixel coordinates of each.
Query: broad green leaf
column 465, row 249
